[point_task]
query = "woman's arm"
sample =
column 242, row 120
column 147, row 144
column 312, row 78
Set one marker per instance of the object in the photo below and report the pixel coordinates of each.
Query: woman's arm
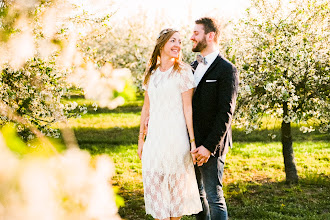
column 187, row 110
column 144, row 115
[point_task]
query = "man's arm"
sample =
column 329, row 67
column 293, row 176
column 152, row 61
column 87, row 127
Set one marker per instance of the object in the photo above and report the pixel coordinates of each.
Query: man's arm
column 227, row 94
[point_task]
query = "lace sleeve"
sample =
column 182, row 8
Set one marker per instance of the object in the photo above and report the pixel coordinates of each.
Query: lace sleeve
column 186, row 80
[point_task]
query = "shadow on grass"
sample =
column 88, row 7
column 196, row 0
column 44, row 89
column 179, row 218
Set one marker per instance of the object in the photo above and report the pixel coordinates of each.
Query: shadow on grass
column 123, row 136
column 121, row 109
column 276, row 200
column 134, row 204
column 110, row 136
column 263, row 135
column 308, row 200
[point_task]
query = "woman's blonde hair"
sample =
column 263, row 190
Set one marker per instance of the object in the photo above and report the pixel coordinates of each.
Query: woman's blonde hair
column 153, row 63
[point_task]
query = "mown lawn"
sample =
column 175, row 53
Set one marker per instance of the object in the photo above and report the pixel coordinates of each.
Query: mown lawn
column 254, row 178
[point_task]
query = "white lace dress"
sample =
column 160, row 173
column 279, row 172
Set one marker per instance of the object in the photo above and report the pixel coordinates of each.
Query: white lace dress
column 170, row 187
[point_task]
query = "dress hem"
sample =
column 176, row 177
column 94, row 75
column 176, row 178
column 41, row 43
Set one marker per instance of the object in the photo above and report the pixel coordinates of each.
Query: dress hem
column 190, row 213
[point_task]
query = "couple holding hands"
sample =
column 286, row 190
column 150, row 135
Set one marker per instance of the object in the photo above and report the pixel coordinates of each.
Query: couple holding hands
column 186, row 118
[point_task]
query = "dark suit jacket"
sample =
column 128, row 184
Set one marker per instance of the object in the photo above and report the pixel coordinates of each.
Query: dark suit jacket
column 213, row 106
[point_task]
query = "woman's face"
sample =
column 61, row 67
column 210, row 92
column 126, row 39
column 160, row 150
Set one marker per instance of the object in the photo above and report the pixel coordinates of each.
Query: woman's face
column 172, row 47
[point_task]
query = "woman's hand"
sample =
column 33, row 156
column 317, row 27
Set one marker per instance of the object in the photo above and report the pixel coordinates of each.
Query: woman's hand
column 192, row 148
column 202, row 155
column 140, row 148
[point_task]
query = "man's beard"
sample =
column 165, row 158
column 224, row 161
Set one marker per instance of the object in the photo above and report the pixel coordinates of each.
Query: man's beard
column 200, row 45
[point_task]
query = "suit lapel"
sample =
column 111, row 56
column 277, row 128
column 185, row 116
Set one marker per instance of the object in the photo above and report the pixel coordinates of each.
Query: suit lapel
column 194, row 66
column 215, row 62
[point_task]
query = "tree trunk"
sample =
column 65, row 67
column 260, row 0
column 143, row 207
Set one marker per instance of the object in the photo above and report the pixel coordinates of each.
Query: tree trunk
column 288, row 154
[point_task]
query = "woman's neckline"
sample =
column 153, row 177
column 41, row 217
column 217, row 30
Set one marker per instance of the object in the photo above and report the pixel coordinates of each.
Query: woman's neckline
column 165, row 70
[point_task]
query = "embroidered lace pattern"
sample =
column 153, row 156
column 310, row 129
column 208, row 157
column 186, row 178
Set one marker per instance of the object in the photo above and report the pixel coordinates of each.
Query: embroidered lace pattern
column 170, row 188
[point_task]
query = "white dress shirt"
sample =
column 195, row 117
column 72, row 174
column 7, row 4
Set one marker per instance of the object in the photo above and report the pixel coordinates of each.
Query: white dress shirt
column 202, row 68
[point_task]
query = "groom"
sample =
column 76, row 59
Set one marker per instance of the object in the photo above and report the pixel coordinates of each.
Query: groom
column 213, row 108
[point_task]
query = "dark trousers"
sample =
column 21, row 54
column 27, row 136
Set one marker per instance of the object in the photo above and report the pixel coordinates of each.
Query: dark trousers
column 209, row 179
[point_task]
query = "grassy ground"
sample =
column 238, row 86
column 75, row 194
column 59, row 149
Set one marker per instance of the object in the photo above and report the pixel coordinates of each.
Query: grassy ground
column 253, row 179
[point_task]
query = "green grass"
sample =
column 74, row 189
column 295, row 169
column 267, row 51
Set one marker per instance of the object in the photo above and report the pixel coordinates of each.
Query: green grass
column 254, row 178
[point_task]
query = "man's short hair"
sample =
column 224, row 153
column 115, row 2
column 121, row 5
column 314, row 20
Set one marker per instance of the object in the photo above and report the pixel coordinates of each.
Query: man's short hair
column 210, row 25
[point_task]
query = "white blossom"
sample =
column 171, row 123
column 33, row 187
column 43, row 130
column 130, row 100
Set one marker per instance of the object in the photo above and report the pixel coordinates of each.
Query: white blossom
column 62, row 186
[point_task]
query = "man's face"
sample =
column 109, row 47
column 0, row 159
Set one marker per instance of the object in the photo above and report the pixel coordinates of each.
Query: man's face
column 198, row 38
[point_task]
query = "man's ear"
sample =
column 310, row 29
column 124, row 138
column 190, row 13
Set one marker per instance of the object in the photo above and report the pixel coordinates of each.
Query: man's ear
column 211, row 36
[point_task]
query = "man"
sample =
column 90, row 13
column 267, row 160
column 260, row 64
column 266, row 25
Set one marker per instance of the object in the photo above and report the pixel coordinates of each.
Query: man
column 214, row 103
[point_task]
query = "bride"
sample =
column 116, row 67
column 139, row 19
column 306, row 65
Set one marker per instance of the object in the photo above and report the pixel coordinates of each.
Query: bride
column 170, row 187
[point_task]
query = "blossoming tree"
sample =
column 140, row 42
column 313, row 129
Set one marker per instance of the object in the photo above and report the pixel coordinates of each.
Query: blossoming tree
column 282, row 51
column 39, row 57
column 40, row 60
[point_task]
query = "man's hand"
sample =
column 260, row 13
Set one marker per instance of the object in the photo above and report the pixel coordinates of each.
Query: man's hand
column 201, row 155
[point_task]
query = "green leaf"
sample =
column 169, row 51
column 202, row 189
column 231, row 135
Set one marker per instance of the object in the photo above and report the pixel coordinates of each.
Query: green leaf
column 13, row 142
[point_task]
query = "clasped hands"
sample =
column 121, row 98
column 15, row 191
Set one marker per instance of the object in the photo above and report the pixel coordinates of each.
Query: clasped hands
column 200, row 155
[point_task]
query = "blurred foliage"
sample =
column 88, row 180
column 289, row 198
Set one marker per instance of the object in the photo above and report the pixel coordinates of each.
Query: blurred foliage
column 129, row 44
column 41, row 62
column 34, row 91
column 13, row 142
column 41, row 182
column 34, row 147
column 129, row 91
column 124, row 45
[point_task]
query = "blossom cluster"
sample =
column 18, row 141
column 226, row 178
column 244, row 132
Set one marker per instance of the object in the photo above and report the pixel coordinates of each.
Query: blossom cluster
column 40, row 61
column 282, row 52
column 71, row 185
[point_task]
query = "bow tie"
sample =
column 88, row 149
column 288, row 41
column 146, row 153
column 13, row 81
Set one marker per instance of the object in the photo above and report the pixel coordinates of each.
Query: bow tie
column 201, row 59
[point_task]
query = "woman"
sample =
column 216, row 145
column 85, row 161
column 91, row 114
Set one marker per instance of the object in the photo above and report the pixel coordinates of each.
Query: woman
column 170, row 187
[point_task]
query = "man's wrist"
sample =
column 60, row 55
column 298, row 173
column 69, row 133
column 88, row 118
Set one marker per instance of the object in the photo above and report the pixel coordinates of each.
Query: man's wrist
column 207, row 150
column 210, row 149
